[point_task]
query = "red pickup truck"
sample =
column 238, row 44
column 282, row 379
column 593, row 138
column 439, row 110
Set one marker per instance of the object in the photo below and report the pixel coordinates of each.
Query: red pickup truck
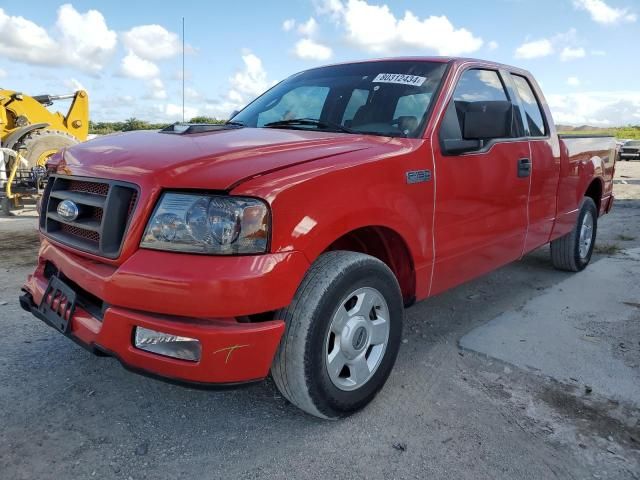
column 288, row 240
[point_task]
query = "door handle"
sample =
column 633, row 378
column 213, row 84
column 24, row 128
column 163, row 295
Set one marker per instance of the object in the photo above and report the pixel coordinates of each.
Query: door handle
column 524, row 167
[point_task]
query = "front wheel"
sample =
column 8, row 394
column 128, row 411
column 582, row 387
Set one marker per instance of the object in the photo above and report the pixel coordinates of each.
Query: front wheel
column 343, row 332
column 572, row 252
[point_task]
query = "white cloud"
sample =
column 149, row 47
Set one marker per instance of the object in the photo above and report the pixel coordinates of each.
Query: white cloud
column 133, row 66
column 492, row 45
column 252, row 80
column 334, row 8
column 573, row 81
column 80, row 40
column 178, row 75
column 73, row 84
column 602, row 13
column 3, row 73
column 308, row 28
column 156, row 89
column 308, row 49
column 147, row 44
column 376, row 29
column 173, row 112
column 535, row 49
column 570, row 53
column 595, row 108
column 191, row 93
column 245, row 85
column 565, row 43
column 152, row 42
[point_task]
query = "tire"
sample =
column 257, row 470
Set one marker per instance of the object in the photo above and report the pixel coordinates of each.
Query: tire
column 566, row 252
column 322, row 304
column 38, row 143
column 6, row 207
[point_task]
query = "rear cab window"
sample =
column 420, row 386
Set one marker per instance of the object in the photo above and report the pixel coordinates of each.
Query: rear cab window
column 531, row 106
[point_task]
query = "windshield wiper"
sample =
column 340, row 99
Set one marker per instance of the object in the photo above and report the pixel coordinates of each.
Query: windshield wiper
column 308, row 121
column 235, row 123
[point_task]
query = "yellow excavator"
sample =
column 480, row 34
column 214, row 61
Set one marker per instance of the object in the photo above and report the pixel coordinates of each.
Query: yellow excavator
column 29, row 135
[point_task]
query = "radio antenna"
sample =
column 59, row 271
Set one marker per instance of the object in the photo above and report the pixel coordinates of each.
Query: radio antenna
column 182, row 69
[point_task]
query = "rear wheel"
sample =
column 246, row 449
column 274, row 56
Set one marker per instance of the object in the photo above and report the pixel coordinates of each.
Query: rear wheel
column 572, row 252
column 36, row 147
column 343, row 332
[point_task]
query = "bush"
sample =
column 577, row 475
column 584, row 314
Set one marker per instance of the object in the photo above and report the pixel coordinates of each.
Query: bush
column 203, row 119
column 104, row 128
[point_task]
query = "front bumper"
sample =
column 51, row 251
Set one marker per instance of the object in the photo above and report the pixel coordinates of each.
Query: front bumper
column 231, row 354
column 632, row 156
column 191, row 296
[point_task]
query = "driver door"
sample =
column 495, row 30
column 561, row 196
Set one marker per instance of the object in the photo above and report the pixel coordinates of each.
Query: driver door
column 481, row 196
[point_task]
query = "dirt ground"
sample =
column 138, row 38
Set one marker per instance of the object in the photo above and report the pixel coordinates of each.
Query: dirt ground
column 446, row 412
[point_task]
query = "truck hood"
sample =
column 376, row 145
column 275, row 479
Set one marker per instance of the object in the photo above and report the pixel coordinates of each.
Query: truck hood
column 217, row 160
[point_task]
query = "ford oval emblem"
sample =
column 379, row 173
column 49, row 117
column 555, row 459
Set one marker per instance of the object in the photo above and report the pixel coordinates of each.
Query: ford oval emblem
column 68, row 210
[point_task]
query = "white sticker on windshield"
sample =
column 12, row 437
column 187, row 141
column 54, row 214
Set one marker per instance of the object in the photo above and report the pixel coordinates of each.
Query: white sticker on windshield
column 399, row 78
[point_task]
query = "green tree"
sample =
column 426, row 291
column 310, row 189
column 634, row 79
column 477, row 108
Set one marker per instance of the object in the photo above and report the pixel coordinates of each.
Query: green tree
column 134, row 124
column 204, row 119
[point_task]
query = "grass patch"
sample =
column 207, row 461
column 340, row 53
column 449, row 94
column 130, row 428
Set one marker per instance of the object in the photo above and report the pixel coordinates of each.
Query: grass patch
column 629, row 132
column 626, row 238
column 608, row 248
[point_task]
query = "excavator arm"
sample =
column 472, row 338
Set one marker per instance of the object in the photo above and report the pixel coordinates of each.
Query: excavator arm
column 18, row 110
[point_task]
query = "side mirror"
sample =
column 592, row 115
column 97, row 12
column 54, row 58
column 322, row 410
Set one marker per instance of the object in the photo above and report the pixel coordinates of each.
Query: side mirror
column 468, row 125
column 487, row 119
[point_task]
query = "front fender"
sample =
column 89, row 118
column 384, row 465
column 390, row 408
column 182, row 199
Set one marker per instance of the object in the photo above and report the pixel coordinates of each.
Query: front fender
column 314, row 205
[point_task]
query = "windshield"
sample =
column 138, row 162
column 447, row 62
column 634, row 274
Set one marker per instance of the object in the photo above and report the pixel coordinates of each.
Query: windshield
column 389, row 98
column 632, row 143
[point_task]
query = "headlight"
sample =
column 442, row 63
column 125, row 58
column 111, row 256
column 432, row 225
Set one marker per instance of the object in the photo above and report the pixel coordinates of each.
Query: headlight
column 213, row 224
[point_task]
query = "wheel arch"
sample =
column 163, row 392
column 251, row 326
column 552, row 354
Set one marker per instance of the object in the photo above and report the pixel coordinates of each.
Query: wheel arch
column 15, row 136
column 388, row 246
column 594, row 191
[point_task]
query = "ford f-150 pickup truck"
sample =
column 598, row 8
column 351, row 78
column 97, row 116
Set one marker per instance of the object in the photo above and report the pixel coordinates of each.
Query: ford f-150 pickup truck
column 289, row 240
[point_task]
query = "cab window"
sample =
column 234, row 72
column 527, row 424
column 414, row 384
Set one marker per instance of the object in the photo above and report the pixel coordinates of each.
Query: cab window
column 532, row 110
column 475, row 85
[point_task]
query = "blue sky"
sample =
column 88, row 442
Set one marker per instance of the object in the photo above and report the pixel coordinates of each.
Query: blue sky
column 128, row 55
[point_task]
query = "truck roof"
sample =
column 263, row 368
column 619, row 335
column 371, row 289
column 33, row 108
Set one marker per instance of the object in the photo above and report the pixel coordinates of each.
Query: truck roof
column 438, row 59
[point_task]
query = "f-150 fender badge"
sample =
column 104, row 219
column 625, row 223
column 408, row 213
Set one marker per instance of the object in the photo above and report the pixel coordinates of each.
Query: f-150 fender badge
column 417, row 176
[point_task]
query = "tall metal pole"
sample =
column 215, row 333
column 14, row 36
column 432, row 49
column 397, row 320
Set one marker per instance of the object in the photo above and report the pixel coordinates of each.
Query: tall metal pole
column 182, row 69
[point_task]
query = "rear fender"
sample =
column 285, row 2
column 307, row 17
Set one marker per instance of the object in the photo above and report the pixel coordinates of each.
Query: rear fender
column 591, row 183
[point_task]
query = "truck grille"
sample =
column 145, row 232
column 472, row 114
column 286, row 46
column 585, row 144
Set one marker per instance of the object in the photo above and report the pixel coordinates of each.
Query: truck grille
column 105, row 208
column 630, row 150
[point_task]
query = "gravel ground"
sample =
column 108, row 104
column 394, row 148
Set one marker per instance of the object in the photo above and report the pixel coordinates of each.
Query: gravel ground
column 445, row 412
